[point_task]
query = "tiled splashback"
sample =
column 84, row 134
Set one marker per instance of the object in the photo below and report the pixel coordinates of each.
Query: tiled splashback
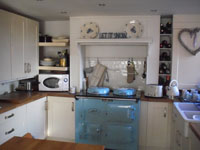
column 117, row 71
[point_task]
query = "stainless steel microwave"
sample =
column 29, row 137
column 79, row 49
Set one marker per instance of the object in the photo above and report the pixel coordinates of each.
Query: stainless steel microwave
column 53, row 82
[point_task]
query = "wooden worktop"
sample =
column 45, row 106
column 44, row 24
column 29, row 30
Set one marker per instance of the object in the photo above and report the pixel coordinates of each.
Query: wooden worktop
column 21, row 143
column 16, row 99
column 154, row 99
column 196, row 129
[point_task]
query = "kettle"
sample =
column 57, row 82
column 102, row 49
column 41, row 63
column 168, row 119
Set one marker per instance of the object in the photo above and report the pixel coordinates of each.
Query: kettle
column 172, row 90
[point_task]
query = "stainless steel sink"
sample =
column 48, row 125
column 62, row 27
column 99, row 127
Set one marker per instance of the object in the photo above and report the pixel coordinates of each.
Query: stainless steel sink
column 188, row 107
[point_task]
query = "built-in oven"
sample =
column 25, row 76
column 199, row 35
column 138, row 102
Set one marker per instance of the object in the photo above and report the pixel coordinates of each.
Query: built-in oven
column 53, row 82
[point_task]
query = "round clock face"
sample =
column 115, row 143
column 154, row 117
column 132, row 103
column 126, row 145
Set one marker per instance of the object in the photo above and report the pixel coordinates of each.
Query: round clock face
column 89, row 30
column 134, row 29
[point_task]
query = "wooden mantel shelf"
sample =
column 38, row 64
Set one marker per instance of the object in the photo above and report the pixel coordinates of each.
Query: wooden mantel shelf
column 114, row 42
column 53, row 44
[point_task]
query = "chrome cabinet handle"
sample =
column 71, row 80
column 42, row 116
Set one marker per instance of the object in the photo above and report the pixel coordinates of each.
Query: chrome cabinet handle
column 10, row 116
column 72, row 106
column 8, row 132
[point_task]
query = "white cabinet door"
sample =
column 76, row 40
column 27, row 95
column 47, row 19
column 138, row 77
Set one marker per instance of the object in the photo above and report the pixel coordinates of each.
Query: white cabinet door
column 5, row 53
column 31, row 48
column 158, row 126
column 36, row 118
column 61, row 118
column 17, row 46
column 194, row 141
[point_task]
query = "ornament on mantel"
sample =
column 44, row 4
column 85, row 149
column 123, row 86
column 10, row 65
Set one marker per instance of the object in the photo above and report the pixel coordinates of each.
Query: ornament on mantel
column 194, row 38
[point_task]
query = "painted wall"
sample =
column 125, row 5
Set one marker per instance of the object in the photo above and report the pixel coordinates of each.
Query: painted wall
column 115, row 24
column 185, row 67
column 54, row 29
column 8, row 87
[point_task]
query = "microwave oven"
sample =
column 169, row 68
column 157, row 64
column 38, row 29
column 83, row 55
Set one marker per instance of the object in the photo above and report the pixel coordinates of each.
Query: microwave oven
column 53, row 82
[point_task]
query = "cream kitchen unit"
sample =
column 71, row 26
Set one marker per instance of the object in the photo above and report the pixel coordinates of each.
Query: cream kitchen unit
column 30, row 118
column 155, row 124
column 61, row 118
column 19, row 47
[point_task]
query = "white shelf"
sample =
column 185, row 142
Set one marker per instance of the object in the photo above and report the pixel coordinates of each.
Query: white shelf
column 53, row 68
column 114, row 42
column 53, row 44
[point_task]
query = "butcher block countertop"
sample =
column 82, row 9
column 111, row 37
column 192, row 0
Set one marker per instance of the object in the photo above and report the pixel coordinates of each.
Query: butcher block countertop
column 155, row 99
column 16, row 99
column 20, row 143
column 196, row 129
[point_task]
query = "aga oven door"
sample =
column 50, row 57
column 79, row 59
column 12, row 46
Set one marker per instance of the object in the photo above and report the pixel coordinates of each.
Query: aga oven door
column 50, row 83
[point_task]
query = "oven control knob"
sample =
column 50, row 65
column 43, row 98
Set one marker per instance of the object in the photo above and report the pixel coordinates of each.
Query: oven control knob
column 65, row 80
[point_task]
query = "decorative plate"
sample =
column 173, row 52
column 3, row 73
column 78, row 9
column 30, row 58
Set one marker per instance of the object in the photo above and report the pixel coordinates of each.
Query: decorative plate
column 89, row 30
column 134, row 29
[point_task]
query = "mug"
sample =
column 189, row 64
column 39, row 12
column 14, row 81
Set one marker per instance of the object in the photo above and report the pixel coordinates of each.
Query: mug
column 73, row 90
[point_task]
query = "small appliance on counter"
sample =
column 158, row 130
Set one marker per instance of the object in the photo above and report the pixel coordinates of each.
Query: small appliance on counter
column 53, row 82
column 153, row 90
column 172, row 90
column 28, row 85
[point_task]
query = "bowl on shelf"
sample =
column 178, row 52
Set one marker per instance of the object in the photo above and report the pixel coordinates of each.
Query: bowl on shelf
column 47, row 62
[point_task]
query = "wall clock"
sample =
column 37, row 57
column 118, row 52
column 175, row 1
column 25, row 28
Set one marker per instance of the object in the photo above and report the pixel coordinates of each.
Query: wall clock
column 89, row 30
column 134, row 29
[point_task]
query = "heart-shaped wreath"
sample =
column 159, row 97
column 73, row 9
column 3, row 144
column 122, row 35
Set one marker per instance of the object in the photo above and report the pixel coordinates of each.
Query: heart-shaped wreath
column 192, row 32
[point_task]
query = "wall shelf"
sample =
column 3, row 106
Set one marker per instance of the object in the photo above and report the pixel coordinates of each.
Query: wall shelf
column 55, row 44
column 114, row 42
column 53, row 68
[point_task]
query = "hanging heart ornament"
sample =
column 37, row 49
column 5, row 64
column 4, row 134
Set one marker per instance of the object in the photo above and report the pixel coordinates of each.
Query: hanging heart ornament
column 193, row 36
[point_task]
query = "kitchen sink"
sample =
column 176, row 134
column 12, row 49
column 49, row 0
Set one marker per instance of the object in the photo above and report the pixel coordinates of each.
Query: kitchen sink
column 188, row 107
column 192, row 115
column 186, row 112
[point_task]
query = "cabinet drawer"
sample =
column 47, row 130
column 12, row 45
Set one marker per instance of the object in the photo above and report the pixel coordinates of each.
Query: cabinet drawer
column 13, row 122
column 14, row 114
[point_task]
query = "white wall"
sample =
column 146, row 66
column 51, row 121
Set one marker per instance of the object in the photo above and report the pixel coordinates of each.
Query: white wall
column 54, row 29
column 8, row 87
column 115, row 24
column 185, row 67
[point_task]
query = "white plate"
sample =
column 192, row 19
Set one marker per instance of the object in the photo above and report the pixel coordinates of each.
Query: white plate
column 89, row 30
column 134, row 29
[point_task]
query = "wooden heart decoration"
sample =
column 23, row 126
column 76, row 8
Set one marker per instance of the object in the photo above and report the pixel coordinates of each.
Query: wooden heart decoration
column 193, row 34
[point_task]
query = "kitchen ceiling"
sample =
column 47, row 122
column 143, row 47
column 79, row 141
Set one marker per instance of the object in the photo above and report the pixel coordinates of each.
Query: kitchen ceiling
column 62, row 9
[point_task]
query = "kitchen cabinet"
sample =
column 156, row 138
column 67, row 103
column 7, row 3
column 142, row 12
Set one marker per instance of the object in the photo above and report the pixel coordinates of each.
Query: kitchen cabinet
column 158, row 125
column 178, row 139
column 5, row 53
column 36, row 118
column 61, row 118
column 194, row 141
column 12, row 123
column 155, row 125
column 19, row 47
column 31, row 48
column 109, row 122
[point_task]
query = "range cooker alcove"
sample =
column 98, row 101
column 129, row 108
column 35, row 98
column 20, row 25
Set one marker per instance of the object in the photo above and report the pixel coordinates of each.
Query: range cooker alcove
column 107, row 120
